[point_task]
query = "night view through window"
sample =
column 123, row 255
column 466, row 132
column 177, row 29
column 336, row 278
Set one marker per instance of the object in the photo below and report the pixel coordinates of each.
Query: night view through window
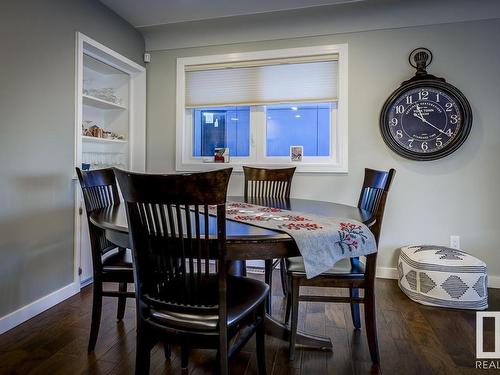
column 306, row 125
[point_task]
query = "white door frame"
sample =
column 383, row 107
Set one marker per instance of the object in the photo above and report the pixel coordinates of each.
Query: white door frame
column 137, row 118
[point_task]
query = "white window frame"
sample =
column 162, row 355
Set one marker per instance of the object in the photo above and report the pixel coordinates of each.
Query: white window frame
column 337, row 162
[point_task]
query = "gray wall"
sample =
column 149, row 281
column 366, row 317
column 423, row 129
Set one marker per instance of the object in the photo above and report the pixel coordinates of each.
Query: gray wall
column 429, row 200
column 37, row 112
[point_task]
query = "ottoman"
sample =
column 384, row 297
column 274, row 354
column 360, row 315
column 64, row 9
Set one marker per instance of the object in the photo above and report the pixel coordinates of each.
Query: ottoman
column 444, row 277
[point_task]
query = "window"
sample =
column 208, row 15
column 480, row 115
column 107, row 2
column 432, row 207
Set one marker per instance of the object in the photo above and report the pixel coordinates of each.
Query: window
column 260, row 104
column 221, row 127
column 307, row 125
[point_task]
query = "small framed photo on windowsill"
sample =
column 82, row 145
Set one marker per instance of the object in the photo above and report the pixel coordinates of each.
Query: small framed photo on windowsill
column 296, row 153
column 221, row 155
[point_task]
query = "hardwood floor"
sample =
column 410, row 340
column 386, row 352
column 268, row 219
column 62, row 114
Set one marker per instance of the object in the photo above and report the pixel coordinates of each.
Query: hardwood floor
column 414, row 339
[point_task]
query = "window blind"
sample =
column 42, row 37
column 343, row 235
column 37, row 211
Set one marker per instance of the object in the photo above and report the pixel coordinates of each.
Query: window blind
column 263, row 83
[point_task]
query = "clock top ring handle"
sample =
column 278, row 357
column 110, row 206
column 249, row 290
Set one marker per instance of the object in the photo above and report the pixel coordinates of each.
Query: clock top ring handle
column 420, row 58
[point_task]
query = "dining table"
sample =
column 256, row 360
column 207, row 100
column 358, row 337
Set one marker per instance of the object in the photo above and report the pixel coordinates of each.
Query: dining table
column 249, row 242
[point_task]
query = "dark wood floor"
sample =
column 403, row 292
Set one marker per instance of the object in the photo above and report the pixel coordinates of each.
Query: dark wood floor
column 414, row 339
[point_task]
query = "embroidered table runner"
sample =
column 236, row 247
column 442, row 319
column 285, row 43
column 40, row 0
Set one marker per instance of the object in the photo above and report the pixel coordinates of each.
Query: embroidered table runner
column 322, row 241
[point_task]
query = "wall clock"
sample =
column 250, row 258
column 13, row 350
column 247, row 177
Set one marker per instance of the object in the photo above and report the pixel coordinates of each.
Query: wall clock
column 426, row 118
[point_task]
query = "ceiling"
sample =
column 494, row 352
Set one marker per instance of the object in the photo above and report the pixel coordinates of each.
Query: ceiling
column 158, row 12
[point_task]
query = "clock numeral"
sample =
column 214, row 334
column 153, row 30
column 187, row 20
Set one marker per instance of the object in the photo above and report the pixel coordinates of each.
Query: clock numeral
column 409, row 99
column 394, row 122
column 439, row 143
column 454, row 119
column 449, row 133
column 410, row 142
column 437, row 97
column 423, row 95
column 449, row 107
column 424, row 146
column 400, row 109
column 399, row 133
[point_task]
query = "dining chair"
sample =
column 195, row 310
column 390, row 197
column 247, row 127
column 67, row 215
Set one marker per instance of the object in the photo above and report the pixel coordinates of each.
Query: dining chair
column 109, row 263
column 270, row 187
column 347, row 273
column 181, row 297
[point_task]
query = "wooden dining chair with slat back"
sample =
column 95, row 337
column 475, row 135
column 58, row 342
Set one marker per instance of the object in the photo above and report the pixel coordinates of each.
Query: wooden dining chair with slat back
column 270, row 187
column 351, row 273
column 181, row 297
column 109, row 263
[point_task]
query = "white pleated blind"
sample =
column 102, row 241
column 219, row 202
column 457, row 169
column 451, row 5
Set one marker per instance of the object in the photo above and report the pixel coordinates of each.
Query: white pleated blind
column 264, row 83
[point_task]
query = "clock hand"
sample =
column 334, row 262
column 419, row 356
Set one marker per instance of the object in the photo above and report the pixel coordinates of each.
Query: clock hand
column 420, row 112
column 435, row 127
column 427, row 122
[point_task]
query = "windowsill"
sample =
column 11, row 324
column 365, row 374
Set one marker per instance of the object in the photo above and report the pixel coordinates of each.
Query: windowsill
column 238, row 167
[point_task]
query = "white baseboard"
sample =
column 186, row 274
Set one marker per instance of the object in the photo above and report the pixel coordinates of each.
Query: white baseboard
column 493, row 281
column 387, row 273
column 84, row 283
column 255, row 263
column 27, row 312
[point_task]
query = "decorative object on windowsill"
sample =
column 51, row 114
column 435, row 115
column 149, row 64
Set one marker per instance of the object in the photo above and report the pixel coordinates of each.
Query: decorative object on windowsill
column 107, row 93
column 221, row 155
column 444, row 277
column 426, row 118
column 296, row 153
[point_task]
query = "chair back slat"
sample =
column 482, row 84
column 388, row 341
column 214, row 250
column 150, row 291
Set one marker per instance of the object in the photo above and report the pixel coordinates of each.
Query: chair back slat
column 99, row 191
column 268, row 183
column 170, row 234
column 370, row 199
column 373, row 195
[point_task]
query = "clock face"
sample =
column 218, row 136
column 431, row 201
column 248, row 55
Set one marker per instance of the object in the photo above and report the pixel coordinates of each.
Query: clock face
column 425, row 121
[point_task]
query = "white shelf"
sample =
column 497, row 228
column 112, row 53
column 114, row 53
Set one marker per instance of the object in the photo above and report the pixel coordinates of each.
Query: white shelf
column 100, row 103
column 86, row 138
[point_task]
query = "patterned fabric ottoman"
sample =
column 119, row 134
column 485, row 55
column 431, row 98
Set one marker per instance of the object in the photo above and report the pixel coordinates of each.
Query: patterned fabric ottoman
column 441, row 276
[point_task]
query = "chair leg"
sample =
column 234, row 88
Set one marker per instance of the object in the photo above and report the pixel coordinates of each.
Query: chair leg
column 184, row 360
column 268, row 277
column 142, row 353
column 167, row 350
column 284, row 286
column 243, row 268
column 356, row 321
column 222, row 361
column 371, row 325
column 294, row 286
column 96, row 314
column 260, row 341
column 288, row 301
column 122, row 301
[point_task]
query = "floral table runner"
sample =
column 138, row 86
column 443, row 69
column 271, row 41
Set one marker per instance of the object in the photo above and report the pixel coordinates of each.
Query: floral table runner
column 322, row 241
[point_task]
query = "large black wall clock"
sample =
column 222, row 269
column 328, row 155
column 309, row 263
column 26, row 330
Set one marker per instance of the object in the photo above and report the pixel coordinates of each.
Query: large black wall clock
column 426, row 118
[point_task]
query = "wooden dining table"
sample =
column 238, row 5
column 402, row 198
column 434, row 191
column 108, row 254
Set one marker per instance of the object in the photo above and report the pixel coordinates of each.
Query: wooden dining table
column 249, row 242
